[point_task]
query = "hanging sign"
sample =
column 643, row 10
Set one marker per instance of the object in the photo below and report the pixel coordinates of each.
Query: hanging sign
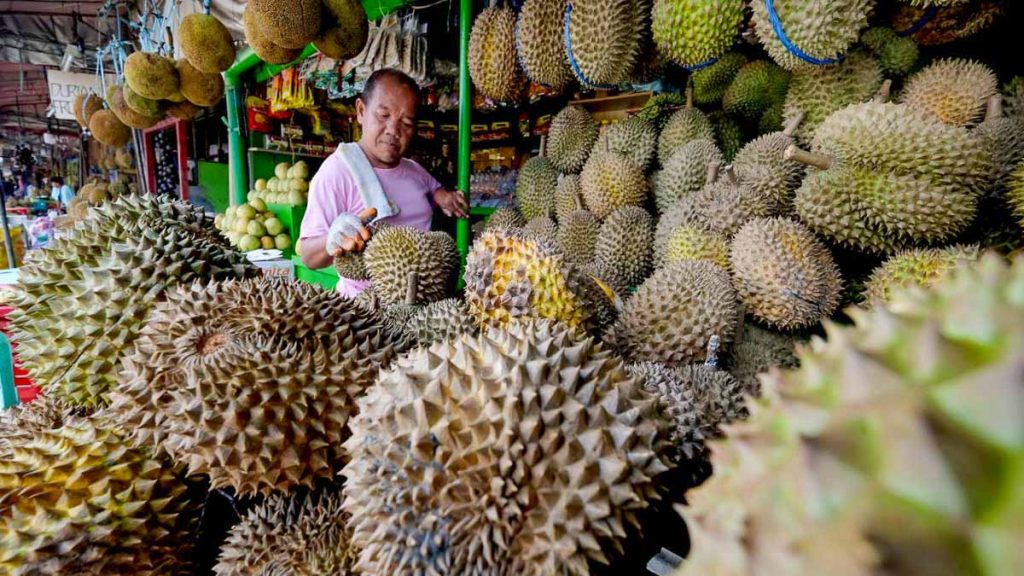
column 64, row 86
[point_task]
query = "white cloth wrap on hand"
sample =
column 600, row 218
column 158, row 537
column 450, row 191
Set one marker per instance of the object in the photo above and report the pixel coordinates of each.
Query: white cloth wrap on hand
column 344, row 226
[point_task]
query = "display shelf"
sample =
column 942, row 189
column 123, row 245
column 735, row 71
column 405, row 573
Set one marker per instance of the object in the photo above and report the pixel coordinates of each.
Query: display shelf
column 481, row 210
column 289, row 153
column 291, row 217
column 326, row 278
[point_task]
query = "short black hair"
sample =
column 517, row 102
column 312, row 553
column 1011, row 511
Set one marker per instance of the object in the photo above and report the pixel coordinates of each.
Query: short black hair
column 56, row 180
column 394, row 74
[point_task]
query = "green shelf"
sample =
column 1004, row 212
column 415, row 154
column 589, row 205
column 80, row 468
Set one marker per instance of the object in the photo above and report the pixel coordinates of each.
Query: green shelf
column 481, row 211
column 326, row 278
column 291, row 217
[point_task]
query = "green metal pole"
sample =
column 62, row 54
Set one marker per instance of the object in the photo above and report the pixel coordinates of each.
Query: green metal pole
column 465, row 111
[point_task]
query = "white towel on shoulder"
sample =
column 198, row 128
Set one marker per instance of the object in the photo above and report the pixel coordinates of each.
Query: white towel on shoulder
column 370, row 190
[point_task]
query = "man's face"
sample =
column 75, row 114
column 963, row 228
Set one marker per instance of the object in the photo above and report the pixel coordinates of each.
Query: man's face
column 388, row 121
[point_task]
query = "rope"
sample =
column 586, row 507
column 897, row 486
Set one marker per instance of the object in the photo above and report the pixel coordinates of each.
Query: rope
column 928, row 16
column 793, row 49
column 572, row 59
column 701, row 66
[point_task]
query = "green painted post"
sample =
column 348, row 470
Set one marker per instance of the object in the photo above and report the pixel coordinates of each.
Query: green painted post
column 238, row 162
column 465, row 115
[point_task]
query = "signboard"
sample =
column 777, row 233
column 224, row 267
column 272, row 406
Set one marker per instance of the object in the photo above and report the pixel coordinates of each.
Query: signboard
column 64, row 86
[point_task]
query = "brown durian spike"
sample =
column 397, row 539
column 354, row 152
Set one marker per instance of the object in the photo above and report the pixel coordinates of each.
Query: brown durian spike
column 822, row 161
column 794, row 124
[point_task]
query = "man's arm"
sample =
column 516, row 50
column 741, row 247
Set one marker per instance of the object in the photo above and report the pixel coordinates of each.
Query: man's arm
column 451, row 202
column 314, row 253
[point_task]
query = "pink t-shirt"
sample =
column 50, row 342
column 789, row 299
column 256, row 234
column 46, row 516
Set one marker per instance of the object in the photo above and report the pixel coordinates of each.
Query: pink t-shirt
column 333, row 191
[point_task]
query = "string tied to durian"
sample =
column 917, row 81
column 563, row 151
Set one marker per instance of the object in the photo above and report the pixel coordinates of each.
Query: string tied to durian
column 929, row 14
column 788, row 44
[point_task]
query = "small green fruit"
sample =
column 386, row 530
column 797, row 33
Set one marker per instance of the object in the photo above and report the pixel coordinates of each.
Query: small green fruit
column 255, row 228
column 282, row 241
column 274, row 226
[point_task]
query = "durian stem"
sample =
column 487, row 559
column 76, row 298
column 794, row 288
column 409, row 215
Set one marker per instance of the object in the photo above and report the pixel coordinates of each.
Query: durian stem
column 411, row 288
column 576, row 200
column 544, row 146
column 730, row 175
column 882, row 96
column 689, row 96
column 821, row 161
column 995, row 107
column 713, row 169
column 793, row 124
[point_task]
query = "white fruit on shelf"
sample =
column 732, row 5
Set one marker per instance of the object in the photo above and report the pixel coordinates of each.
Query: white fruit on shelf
column 281, row 170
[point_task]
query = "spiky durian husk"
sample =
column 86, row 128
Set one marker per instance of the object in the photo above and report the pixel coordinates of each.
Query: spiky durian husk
column 710, row 84
column 1004, row 139
column 525, row 514
column 82, row 300
column 724, row 207
column 818, row 92
column 761, row 166
column 440, row 321
column 568, row 196
column 953, row 91
column 542, row 229
column 950, row 23
column 219, row 367
column 921, row 267
column 540, row 42
column 351, row 265
column 758, row 351
column 23, row 421
column 696, row 242
column 820, row 28
column 905, row 177
column 785, row 277
column 729, row 135
column 510, row 276
column 757, row 86
column 1015, row 193
column 683, row 127
column 577, row 236
column 1013, row 98
column 505, row 217
column 624, row 246
column 633, row 137
column 828, row 472
column 76, row 499
column 493, row 65
column 395, row 252
column 692, row 33
column 674, row 314
column 896, row 54
column 296, row 535
column 685, row 173
column 605, row 39
column 682, row 213
column 571, row 137
column 535, row 188
column 610, row 181
column 660, row 107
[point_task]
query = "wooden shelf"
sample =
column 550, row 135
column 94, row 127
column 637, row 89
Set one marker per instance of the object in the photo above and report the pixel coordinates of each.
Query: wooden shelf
column 614, row 108
column 288, row 153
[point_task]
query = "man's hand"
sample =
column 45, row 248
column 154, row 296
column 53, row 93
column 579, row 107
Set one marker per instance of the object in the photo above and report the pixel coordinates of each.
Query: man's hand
column 348, row 232
column 451, row 202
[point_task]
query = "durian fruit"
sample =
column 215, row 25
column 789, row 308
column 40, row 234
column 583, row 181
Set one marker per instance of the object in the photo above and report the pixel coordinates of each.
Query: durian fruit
column 949, row 23
column 759, row 350
column 206, row 43
column 127, row 116
column 610, row 180
column 1013, row 98
column 604, row 40
column 351, row 265
column 151, row 75
column 695, row 32
column 571, row 137
column 953, row 91
column 1015, row 193
column 896, row 54
column 919, row 267
column 510, row 276
column 395, row 252
column 634, row 137
column 505, row 217
column 540, row 43
column 674, row 313
column 289, row 24
column 815, row 93
column 895, row 449
column 252, row 382
column 682, row 213
column 683, row 127
column 660, row 107
column 82, row 300
column 568, row 196
column 344, row 31
column 710, row 84
column 552, row 481
column 200, row 88
column 143, row 106
column 785, row 277
column 22, row 422
column 729, row 135
column 696, row 400
column 624, row 246
column 267, row 51
column 685, row 173
column 761, row 166
column 696, row 242
column 724, row 205
column 1004, row 138
column 542, row 229
column 444, row 244
column 297, row 535
column 76, row 499
column 903, row 177
column 183, row 110
column 577, row 236
column 440, row 321
column 492, row 62
column 773, row 118
column 535, row 188
column 822, row 29
column 758, row 86
column 108, row 128
column 85, row 105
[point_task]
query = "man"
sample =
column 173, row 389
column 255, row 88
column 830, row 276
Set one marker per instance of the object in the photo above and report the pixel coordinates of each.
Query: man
column 373, row 177
column 62, row 193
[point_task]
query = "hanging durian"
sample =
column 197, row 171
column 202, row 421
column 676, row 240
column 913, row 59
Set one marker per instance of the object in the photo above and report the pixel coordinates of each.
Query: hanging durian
column 540, row 42
column 821, row 29
column 602, row 39
column 492, row 62
column 206, row 43
column 693, row 33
